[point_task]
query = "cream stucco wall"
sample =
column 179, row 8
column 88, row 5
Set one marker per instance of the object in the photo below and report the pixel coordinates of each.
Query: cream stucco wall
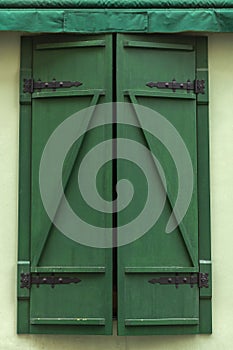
column 221, row 118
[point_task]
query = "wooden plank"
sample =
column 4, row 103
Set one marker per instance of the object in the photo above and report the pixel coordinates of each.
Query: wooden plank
column 161, row 321
column 154, row 269
column 204, row 186
column 161, row 93
column 23, row 308
column 71, row 44
column 68, row 93
column 69, row 321
column 157, row 45
column 71, row 269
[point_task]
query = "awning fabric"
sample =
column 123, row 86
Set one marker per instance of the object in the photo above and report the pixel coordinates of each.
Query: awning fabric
column 96, row 16
column 116, row 4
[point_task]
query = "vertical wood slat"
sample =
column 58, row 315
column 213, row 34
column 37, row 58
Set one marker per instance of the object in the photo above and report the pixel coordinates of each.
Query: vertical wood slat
column 204, row 185
column 24, row 184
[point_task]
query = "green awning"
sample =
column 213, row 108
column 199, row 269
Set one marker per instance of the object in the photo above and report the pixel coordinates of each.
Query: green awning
column 141, row 16
column 116, row 4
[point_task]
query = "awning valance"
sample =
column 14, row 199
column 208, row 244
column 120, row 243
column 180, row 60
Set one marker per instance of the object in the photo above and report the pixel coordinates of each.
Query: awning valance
column 96, row 16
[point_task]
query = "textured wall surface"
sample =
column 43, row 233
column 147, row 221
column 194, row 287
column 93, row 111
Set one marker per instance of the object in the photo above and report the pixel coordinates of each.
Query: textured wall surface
column 221, row 131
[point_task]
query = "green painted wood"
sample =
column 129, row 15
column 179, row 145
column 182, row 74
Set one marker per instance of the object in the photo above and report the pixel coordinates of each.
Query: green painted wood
column 154, row 45
column 68, row 169
column 143, row 308
column 93, row 269
column 204, row 187
column 23, row 312
column 52, row 310
column 69, row 321
column 137, row 299
column 161, row 322
column 24, row 185
column 159, row 93
column 70, row 92
column 206, row 293
column 170, row 199
column 74, row 44
column 25, row 150
column 153, row 269
column 23, row 267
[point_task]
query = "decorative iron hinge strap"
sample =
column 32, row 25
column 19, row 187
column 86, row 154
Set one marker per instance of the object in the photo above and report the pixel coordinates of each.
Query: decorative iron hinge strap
column 30, row 85
column 28, row 279
column 197, row 86
column 201, row 279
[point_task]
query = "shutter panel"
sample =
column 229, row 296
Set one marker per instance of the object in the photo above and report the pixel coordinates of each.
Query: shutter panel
column 84, row 307
column 143, row 307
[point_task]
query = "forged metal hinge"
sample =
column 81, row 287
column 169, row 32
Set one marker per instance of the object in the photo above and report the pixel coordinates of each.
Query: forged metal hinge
column 27, row 279
column 201, row 279
column 197, row 86
column 30, row 85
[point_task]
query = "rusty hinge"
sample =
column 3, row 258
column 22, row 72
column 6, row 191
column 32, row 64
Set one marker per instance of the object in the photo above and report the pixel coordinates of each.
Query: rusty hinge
column 201, row 279
column 28, row 279
column 30, row 85
column 197, row 86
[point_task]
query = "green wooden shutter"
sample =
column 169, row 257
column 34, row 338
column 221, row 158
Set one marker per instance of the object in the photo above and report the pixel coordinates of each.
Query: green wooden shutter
column 85, row 307
column 145, row 308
